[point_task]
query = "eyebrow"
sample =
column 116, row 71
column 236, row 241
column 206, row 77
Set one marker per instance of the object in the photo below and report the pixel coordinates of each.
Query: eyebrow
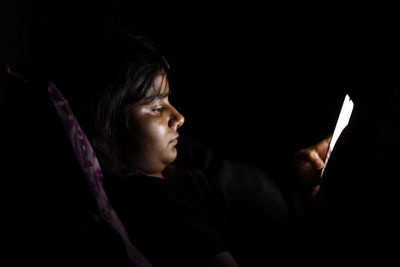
column 153, row 98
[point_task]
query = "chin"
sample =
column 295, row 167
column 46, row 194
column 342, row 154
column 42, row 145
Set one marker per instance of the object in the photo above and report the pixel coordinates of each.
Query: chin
column 169, row 155
column 172, row 156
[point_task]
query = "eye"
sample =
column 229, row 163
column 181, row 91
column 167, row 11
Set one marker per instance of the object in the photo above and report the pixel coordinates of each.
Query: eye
column 158, row 109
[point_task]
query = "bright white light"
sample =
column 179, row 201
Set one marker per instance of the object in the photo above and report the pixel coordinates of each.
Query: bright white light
column 343, row 120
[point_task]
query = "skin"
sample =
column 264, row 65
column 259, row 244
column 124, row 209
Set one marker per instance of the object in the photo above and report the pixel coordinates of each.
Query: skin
column 154, row 136
column 154, row 133
column 309, row 162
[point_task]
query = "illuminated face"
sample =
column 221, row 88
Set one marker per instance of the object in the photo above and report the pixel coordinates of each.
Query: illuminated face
column 154, row 133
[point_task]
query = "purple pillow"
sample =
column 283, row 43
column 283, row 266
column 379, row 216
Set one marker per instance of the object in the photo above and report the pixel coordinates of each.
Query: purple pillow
column 90, row 166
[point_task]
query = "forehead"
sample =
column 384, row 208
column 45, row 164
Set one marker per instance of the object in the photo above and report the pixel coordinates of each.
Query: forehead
column 160, row 87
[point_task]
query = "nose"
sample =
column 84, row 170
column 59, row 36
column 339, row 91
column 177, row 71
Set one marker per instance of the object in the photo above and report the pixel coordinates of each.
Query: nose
column 176, row 119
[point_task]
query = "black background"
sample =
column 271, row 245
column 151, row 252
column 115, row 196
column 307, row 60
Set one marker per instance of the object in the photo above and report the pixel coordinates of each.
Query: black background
column 255, row 82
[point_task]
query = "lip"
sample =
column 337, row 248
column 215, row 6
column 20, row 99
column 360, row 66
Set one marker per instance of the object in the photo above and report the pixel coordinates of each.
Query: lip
column 174, row 140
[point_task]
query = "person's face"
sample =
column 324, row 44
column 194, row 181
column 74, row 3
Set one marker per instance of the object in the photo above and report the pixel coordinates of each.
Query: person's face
column 154, row 133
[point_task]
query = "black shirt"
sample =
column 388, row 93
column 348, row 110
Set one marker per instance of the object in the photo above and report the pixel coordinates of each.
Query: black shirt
column 216, row 206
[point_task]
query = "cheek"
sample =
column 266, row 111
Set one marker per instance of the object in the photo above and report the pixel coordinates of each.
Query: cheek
column 158, row 132
column 153, row 132
column 153, row 142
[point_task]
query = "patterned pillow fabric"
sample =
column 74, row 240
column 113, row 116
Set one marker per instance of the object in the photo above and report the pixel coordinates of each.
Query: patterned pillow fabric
column 90, row 166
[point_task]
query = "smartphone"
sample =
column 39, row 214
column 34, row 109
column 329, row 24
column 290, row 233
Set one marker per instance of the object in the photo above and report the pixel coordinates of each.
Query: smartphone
column 343, row 120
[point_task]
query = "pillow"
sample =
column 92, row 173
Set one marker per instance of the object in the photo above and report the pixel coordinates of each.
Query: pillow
column 89, row 164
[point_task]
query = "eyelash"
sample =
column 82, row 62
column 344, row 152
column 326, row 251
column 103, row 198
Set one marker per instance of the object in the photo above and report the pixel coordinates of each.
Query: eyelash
column 158, row 109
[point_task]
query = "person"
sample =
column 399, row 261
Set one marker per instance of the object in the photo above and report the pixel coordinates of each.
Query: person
column 192, row 208
column 355, row 209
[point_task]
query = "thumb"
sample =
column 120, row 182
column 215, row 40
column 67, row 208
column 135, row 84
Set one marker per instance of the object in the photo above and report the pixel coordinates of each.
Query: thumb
column 322, row 147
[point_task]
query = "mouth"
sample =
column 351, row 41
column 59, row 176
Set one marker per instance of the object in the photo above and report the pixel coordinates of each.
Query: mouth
column 174, row 140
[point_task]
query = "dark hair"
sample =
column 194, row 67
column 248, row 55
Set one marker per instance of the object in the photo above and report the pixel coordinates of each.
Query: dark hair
column 126, row 70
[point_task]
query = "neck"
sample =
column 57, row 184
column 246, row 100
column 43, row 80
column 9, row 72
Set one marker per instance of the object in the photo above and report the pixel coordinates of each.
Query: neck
column 148, row 169
column 158, row 175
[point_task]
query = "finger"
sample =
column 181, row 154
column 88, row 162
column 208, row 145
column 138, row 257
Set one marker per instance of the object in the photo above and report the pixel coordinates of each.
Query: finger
column 311, row 156
column 322, row 147
column 315, row 191
column 315, row 159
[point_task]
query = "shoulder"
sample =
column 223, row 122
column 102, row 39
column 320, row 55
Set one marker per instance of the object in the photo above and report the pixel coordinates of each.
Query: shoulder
column 194, row 154
column 132, row 190
column 161, row 223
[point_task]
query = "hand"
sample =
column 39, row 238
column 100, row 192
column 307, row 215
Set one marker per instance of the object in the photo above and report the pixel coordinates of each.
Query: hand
column 309, row 163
